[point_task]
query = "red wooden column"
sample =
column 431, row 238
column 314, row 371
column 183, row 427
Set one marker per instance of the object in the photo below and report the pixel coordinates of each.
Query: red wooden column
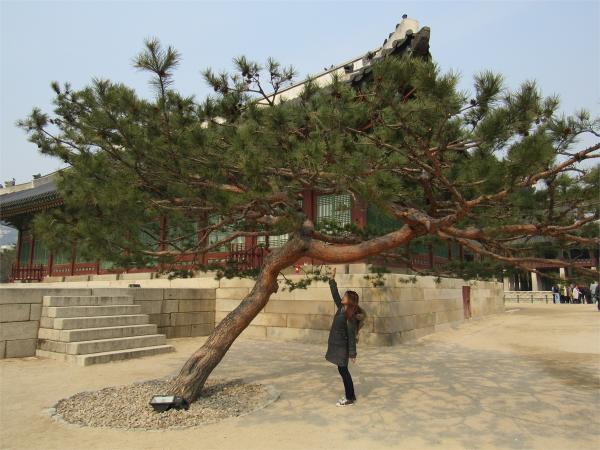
column 73, row 257
column 358, row 214
column 19, row 243
column 430, row 254
column 163, row 234
column 31, row 248
column 309, row 204
column 50, row 263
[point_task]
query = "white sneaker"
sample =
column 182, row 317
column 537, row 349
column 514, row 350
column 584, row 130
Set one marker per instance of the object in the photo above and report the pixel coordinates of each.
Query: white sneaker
column 344, row 402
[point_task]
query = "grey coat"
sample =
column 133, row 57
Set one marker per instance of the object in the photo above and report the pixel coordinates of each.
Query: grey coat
column 341, row 344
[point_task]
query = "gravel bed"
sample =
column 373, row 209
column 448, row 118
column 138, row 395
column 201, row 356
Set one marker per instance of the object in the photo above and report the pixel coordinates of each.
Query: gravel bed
column 128, row 406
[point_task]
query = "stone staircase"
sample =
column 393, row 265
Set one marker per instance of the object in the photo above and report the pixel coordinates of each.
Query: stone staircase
column 93, row 329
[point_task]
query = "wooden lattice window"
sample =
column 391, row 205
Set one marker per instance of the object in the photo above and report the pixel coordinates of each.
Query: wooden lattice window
column 217, row 235
column 336, row 207
column 40, row 253
column 274, row 241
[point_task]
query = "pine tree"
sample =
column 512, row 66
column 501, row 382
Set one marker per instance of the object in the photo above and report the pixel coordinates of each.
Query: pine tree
column 488, row 171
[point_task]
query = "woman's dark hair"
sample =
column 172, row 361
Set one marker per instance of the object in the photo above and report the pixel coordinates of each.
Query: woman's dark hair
column 352, row 309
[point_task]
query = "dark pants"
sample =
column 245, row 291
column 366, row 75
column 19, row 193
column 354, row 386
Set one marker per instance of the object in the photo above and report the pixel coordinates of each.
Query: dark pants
column 348, row 385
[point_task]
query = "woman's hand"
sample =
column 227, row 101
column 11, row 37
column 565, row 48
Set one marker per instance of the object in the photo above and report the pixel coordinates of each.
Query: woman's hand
column 333, row 272
column 353, row 360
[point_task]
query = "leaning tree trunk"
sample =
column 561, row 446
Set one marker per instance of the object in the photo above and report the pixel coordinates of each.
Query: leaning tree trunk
column 190, row 381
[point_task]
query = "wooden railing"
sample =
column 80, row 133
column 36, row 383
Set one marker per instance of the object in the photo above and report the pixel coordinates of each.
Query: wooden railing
column 247, row 258
column 32, row 273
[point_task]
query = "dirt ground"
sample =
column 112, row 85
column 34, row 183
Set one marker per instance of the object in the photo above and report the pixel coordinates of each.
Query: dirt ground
column 528, row 378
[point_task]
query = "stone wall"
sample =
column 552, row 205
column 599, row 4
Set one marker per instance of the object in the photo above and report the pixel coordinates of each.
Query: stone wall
column 177, row 312
column 399, row 311
column 20, row 311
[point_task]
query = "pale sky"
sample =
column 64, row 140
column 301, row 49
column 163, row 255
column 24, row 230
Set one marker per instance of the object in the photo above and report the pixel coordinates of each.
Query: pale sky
column 556, row 43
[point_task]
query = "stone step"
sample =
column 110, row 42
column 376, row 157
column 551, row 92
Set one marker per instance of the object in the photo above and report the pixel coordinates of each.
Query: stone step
column 104, row 357
column 86, row 300
column 71, row 323
column 92, row 334
column 89, row 311
column 102, row 345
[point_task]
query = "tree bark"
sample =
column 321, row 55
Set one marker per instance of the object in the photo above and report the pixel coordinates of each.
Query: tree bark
column 190, row 381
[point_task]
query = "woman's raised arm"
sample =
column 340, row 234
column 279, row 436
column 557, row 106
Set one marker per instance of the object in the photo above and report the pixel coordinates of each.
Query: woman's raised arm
column 334, row 291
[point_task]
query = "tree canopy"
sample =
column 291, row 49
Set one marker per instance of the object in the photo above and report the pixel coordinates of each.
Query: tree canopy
column 489, row 169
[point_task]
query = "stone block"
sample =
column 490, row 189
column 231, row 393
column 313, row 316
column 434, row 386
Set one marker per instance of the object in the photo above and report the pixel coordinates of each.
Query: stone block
column 203, row 329
column 35, row 294
column 179, row 331
column 420, row 332
column 135, row 276
column 270, row 319
column 254, row 332
column 16, row 312
column 71, row 278
column 196, row 305
column 308, row 321
column 180, row 293
column 298, row 335
column 358, row 268
column 36, row 312
column 152, row 307
column 283, row 294
column 178, row 319
column 195, row 282
column 441, row 293
column 226, row 304
column 18, row 330
column 169, row 306
column 301, row 307
column 352, row 281
column 376, row 339
column 424, row 320
column 21, row 348
column 391, row 294
column 232, row 293
column 319, row 294
column 394, row 309
column 237, row 283
column 54, row 279
column 103, row 277
column 394, row 324
column 161, row 320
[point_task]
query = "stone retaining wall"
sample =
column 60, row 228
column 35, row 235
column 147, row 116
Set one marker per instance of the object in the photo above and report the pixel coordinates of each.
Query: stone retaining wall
column 398, row 312
column 177, row 312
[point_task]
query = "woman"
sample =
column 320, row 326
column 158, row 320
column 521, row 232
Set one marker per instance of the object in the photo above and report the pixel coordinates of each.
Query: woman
column 341, row 344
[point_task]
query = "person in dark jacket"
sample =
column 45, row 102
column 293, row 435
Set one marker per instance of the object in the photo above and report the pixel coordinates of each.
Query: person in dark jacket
column 341, row 345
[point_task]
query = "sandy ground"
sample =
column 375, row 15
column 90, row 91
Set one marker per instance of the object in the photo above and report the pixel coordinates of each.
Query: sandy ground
column 525, row 379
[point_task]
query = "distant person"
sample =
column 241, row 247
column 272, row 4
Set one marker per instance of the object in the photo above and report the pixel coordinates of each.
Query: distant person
column 556, row 294
column 570, row 293
column 586, row 294
column 576, row 295
column 341, row 344
column 597, row 294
